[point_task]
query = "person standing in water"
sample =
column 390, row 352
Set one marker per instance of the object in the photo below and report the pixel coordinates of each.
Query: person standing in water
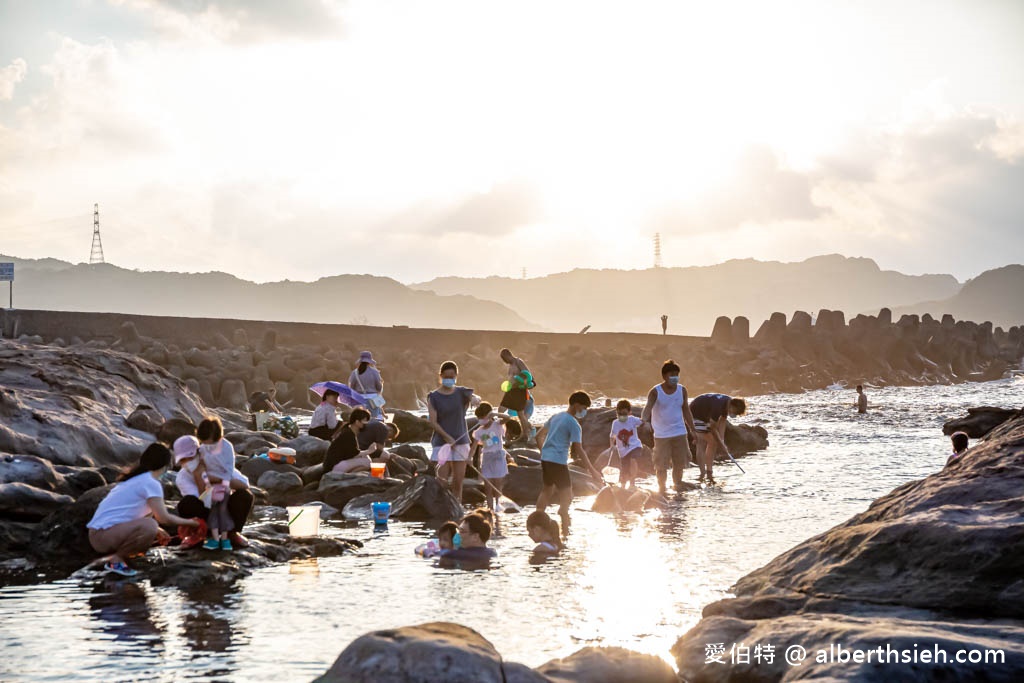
column 519, row 398
column 862, row 400
column 668, row 415
column 366, row 379
column 561, row 435
column 710, row 414
column 446, row 408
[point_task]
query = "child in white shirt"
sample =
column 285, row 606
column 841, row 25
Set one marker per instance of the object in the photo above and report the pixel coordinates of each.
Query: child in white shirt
column 489, row 438
column 625, row 438
column 218, row 464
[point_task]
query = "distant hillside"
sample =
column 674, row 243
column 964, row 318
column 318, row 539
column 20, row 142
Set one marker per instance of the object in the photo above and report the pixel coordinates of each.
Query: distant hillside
column 995, row 295
column 634, row 300
column 49, row 284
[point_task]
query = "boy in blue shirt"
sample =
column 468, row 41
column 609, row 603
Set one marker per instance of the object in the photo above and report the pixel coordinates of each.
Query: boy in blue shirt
column 561, row 435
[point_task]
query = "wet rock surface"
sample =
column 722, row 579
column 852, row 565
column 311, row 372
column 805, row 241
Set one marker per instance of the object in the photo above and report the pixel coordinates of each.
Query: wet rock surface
column 936, row 561
column 443, row 652
column 980, row 421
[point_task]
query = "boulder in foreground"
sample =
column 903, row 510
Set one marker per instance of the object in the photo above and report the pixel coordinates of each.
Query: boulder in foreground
column 935, row 563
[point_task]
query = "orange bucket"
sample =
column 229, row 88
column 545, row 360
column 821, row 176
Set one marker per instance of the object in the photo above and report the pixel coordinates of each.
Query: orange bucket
column 377, row 469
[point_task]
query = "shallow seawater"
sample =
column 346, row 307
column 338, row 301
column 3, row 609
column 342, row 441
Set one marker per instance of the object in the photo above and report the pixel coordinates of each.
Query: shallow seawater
column 634, row 580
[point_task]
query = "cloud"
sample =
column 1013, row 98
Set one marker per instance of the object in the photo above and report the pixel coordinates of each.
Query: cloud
column 10, row 76
column 243, row 21
column 758, row 190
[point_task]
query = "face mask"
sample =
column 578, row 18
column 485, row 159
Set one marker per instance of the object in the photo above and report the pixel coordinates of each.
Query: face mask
column 674, row 379
column 448, row 382
column 457, row 540
column 623, row 418
column 192, row 464
column 582, row 414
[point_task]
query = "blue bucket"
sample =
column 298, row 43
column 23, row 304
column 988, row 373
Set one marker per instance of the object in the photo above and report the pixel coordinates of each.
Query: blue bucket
column 381, row 512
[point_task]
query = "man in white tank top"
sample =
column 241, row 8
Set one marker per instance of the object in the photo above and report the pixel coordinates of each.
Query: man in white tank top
column 668, row 413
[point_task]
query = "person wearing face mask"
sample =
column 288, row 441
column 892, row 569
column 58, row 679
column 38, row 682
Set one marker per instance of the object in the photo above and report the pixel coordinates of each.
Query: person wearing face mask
column 344, row 454
column 668, row 414
column 625, row 439
column 127, row 522
column 446, row 410
column 561, row 435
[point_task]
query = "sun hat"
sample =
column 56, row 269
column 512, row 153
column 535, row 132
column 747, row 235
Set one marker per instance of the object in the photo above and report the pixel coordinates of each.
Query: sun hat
column 185, row 447
column 367, row 357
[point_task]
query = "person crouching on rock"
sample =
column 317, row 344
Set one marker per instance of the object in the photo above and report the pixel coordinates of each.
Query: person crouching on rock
column 710, row 415
column 561, row 434
column 325, row 423
column 127, row 522
column 217, row 457
column 344, row 454
column 446, row 408
column 960, row 442
column 240, row 502
column 545, row 533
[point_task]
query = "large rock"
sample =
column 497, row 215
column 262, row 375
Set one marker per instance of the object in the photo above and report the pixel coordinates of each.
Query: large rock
column 31, row 470
column 743, row 439
column 233, row 395
column 979, row 421
column 338, row 489
column 936, row 562
column 251, row 443
column 62, row 536
column 25, row 502
column 254, row 468
column 411, row 427
column 309, row 450
column 280, row 485
column 65, row 404
column 524, row 484
column 607, row 665
column 174, row 428
column 427, row 653
column 722, row 332
column 421, row 499
column 145, row 419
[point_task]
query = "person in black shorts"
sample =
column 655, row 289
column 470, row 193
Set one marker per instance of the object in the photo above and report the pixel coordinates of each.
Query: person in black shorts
column 710, row 413
column 561, row 435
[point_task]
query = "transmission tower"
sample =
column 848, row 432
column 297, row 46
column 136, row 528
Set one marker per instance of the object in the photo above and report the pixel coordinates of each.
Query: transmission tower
column 96, row 255
column 657, row 250
column 524, row 272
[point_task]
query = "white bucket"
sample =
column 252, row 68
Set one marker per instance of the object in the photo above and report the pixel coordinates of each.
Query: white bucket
column 304, row 520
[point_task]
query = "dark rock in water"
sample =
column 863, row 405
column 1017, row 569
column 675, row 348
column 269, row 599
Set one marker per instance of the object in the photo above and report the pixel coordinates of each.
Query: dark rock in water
column 145, row 419
column 979, row 421
column 338, row 489
column 59, row 403
column 524, row 484
column 174, row 428
column 742, row 439
column 253, row 468
column 25, row 502
column 411, row 427
column 607, row 665
column 618, row 499
column 309, row 450
column 422, row 499
column 411, row 452
column 936, row 562
column 431, row 652
column 279, row 485
column 269, row 543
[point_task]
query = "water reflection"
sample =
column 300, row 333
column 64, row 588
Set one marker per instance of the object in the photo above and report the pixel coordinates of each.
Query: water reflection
column 633, row 580
column 121, row 608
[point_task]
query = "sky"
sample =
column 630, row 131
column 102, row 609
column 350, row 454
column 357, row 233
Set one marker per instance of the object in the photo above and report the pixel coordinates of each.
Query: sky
column 419, row 139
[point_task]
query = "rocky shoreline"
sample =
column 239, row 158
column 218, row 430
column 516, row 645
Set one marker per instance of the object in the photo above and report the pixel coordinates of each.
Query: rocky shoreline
column 224, row 361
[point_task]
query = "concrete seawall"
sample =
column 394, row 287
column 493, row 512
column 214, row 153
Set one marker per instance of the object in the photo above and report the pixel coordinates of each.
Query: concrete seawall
column 224, row 360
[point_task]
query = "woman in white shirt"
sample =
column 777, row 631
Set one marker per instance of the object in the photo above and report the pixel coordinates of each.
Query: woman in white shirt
column 127, row 521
